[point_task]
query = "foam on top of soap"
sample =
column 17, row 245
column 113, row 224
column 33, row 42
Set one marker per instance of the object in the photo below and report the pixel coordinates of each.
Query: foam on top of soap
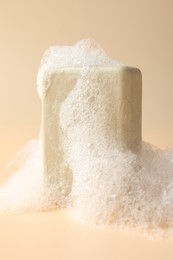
column 83, row 54
column 110, row 187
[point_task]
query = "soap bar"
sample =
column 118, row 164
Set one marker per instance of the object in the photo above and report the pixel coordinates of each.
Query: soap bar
column 125, row 88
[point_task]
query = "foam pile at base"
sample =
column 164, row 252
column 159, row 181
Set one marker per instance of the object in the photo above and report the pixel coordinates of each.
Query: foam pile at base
column 109, row 187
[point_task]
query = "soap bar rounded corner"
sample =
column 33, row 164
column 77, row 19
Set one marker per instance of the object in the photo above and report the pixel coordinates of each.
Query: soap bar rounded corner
column 131, row 70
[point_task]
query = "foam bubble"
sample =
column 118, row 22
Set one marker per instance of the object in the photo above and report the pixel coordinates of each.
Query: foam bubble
column 110, row 187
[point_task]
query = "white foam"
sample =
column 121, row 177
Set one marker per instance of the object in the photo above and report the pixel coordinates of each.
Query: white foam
column 109, row 187
column 85, row 53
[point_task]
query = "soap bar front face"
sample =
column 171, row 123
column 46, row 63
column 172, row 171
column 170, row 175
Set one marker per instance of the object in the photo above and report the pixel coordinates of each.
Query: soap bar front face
column 114, row 111
column 56, row 170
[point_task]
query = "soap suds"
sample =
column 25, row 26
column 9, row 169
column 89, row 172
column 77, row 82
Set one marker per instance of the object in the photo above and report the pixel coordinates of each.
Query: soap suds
column 84, row 54
column 109, row 187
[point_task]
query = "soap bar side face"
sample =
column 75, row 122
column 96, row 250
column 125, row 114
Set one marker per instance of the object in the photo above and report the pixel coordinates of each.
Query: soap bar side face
column 128, row 96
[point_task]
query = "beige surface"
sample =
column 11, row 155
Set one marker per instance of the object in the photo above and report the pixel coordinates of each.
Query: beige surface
column 56, row 236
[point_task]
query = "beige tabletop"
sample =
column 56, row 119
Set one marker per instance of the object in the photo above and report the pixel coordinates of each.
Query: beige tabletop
column 55, row 235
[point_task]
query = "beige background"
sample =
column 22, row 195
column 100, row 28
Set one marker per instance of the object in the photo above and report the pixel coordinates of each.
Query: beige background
column 135, row 32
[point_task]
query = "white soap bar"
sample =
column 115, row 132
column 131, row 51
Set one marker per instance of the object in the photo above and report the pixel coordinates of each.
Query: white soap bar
column 124, row 91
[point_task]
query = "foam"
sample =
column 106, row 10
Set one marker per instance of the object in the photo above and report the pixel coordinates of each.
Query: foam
column 110, row 187
column 85, row 53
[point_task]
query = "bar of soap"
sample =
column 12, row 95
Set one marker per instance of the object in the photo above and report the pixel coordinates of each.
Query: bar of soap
column 110, row 104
